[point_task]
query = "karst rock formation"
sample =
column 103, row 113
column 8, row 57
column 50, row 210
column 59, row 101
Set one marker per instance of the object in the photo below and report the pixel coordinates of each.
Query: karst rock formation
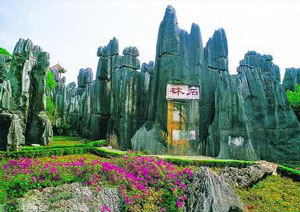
column 184, row 103
column 23, row 116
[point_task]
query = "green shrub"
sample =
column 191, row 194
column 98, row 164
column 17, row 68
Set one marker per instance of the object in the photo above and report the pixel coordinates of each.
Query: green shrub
column 63, row 128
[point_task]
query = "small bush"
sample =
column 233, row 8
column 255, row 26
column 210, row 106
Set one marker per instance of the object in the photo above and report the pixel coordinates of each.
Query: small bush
column 63, row 128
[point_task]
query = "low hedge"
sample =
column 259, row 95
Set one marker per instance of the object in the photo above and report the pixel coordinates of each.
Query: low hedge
column 99, row 143
column 107, row 153
column 32, row 153
column 45, row 151
column 52, row 147
column 289, row 172
column 210, row 163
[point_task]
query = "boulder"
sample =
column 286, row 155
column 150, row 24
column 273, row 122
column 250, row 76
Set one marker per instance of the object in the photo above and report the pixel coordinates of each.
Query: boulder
column 150, row 140
column 12, row 132
column 245, row 177
column 210, row 193
column 71, row 197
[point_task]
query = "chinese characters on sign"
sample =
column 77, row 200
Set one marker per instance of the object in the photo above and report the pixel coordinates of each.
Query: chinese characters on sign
column 182, row 92
column 183, row 135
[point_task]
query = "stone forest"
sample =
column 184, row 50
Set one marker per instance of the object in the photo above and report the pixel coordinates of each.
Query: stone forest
column 180, row 114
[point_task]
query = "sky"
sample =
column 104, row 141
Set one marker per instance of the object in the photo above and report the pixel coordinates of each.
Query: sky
column 72, row 31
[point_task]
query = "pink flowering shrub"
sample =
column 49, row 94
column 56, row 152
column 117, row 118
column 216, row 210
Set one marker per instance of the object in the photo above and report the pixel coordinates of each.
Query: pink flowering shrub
column 146, row 183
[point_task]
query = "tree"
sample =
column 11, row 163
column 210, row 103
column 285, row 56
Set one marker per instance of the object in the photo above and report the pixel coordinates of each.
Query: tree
column 50, row 85
column 4, row 52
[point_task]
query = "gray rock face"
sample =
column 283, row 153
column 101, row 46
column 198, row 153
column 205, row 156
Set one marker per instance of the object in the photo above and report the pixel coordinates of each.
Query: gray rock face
column 22, row 105
column 255, row 60
column 124, row 99
column 216, row 51
column 253, row 118
column 291, row 78
column 5, row 62
column 147, row 70
column 179, row 61
column 210, row 193
column 39, row 126
column 110, row 106
column 85, row 77
column 150, row 140
column 187, row 103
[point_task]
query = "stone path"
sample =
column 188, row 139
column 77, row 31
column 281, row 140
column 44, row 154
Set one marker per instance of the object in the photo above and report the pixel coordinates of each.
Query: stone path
column 196, row 157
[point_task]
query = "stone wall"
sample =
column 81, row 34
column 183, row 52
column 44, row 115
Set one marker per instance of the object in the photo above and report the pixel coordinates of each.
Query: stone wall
column 23, row 97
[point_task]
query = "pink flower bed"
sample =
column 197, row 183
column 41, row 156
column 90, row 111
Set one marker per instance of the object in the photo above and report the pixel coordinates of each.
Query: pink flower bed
column 146, row 183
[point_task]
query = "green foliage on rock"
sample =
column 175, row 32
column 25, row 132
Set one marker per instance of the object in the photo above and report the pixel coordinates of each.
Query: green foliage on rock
column 294, row 97
column 4, row 52
column 50, row 105
column 50, row 82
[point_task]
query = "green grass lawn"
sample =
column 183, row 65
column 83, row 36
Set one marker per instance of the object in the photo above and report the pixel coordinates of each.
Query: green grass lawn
column 275, row 193
column 65, row 141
